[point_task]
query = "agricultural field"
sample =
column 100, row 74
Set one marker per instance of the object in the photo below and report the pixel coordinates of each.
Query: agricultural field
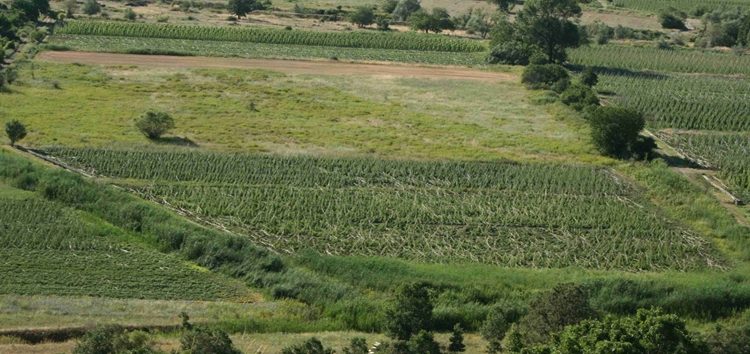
column 417, row 211
column 684, row 5
column 683, row 101
column 650, row 58
column 49, row 249
column 728, row 152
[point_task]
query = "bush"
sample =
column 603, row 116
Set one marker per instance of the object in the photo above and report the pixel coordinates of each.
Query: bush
column 615, row 130
column 579, row 96
column 91, row 7
column 357, row 346
column 410, row 312
column 154, row 124
column 565, row 305
column 498, row 321
column 362, row 16
column 129, row 14
column 114, row 339
column 672, row 18
column 207, row 341
column 589, row 77
column 310, row 346
column 15, row 131
column 545, row 77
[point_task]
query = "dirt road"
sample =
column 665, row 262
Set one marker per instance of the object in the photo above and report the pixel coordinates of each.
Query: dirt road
column 285, row 66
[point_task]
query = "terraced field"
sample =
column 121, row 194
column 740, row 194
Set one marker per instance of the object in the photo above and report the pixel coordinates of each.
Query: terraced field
column 497, row 213
column 685, row 5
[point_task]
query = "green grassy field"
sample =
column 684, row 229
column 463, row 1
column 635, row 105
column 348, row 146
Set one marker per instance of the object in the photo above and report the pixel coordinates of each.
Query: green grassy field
column 356, row 115
column 684, row 5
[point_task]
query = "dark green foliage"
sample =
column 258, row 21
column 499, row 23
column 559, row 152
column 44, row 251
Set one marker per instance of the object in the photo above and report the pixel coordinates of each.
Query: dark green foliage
column 423, row 342
column 545, row 76
column 357, row 346
column 615, row 131
column 672, row 18
column 579, row 97
column 91, row 7
column 310, row 346
column 114, row 340
column 31, row 9
column 362, row 16
column 241, row 8
column 500, row 318
column 405, row 8
column 564, row 305
column 200, row 340
column 512, row 53
column 388, row 6
column 436, row 21
column 457, row 340
column 513, row 341
column 649, row 331
column 643, row 148
column 154, row 124
column 730, row 338
column 548, row 25
column 589, row 77
column 410, row 311
column 129, row 14
column 15, row 131
column 504, row 5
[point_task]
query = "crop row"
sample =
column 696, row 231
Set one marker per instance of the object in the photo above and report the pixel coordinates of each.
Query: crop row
column 48, row 249
column 730, row 153
column 683, row 101
column 532, row 215
column 355, row 39
column 168, row 46
column 652, row 58
column 685, row 5
column 303, row 171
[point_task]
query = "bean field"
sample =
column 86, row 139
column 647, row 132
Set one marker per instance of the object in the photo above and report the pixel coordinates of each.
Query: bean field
column 532, row 215
column 46, row 248
column 358, row 39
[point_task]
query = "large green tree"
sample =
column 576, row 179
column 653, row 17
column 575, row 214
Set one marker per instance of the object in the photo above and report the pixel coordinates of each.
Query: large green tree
column 15, row 131
column 241, row 8
column 549, row 25
column 410, row 312
column 615, row 131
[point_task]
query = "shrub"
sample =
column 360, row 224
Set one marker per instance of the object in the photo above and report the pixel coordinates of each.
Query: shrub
column 579, row 96
column 672, row 18
column 457, row 340
column 310, row 346
column 410, row 312
column 154, row 124
column 204, row 341
column 91, row 7
column 423, row 343
column 362, row 16
column 15, row 131
column 129, row 14
column 589, row 77
column 357, row 346
column 615, row 130
column 114, row 339
column 499, row 320
column 545, row 76
column 564, row 305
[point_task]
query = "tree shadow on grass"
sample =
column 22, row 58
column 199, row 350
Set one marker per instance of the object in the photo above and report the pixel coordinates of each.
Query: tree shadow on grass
column 680, row 162
column 175, row 140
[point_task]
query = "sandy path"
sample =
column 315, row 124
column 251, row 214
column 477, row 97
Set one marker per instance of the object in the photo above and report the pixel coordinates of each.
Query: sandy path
column 285, row 66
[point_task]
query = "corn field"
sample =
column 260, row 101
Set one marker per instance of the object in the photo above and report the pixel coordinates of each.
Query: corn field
column 530, row 215
column 356, row 39
column 651, row 58
column 685, row 5
column 48, row 249
column 730, row 153
column 131, row 45
column 683, row 101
